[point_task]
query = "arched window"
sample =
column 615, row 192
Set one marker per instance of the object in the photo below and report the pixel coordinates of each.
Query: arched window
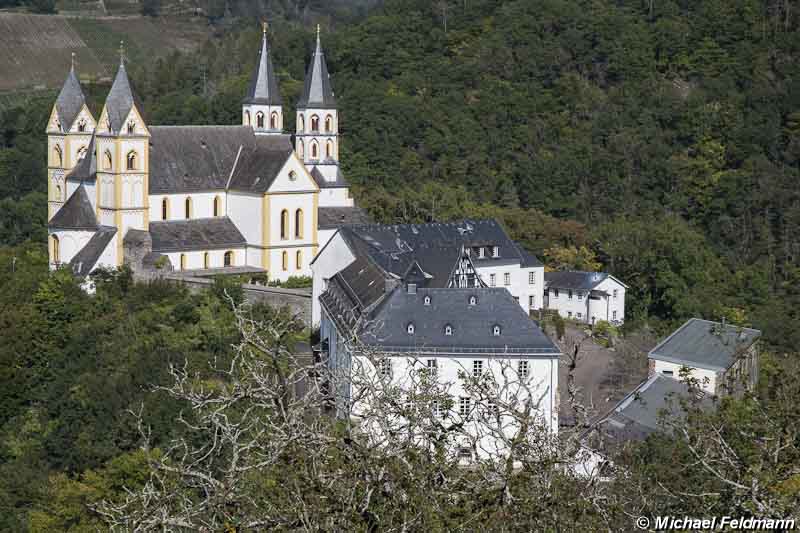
column 131, row 165
column 314, row 150
column 247, row 118
column 298, row 224
column 298, row 259
column 56, row 250
column 216, row 206
column 183, row 261
column 314, row 123
column 301, row 123
column 58, row 193
column 285, row 261
column 260, row 120
column 81, row 152
column 206, row 262
column 58, row 157
column 328, row 124
column 301, row 149
column 284, row 224
column 164, row 209
column 228, row 259
column 131, row 128
column 188, row 207
column 58, row 125
column 273, row 121
column 82, row 125
column 108, row 160
column 410, row 329
column 448, row 330
column 329, row 149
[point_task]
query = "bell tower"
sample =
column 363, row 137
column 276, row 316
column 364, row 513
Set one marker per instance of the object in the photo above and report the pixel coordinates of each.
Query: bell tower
column 262, row 107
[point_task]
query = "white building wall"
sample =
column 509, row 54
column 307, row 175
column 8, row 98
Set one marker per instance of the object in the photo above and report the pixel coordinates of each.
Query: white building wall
column 70, row 243
column 615, row 302
column 581, row 307
column 519, row 286
column 277, row 271
column 291, row 203
column 335, row 197
column 707, row 379
column 332, row 259
column 245, row 210
column 202, row 205
column 195, row 260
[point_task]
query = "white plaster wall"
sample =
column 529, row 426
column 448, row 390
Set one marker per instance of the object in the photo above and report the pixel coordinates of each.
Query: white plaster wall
column 291, row 203
column 576, row 308
column 70, row 243
column 338, row 197
column 520, row 287
column 276, row 262
column 202, row 206
column 245, row 210
column 83, row 115
column 329, row 261
column 76, row 142
column 614, row 304
column 107, row 217
column 132, row 219
column 325, row 235
column 700, row 374
column 194, row 260
column 302, row 182
column 267, row 110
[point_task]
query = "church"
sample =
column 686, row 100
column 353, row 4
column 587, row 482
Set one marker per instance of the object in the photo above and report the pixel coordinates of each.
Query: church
column 125, row 192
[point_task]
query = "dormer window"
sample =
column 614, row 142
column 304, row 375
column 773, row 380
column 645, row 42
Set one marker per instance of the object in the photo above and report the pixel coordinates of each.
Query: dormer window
column 427, row 300
column 496, row 331
column 448, row 330
column 481, row 253
column 495, row 251
column 131, row 128
column 410, row 329
column 473, row 300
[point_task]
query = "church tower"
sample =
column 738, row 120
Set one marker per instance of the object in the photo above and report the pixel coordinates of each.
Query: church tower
column 122, row 148
column 69, row 132
column 317, row 139
column 262, row 107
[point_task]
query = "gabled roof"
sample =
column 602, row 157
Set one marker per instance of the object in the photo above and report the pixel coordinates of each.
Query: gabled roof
column 317, row 91
column 70, row 100
column 705, row 344
column 86, row 169
column 264, row 84
column 196, row 234
column 576, row 279
column 84, row 261
column 120, row 100
column 204, row 158
column 472, row 325
column 76, row 214
column 322, row 183
column 336, row 217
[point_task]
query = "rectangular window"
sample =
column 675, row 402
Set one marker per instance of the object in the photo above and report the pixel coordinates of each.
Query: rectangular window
column 433, row 367
column 522, row 369
column 615, row 294
column 613, row 315
column 385, row 368
column 507, row 279
column 532, row 302
column 531, row 278
column 569, row 294
column 463, row 406
column 481, row 253
column 492, row 409
column 492, row 280
column 580, row 315
column 667, row 372
column 495, row 251
column 580, row 295
column 477, row 369
column 437, row 409
column 555, row 293
column 569, row 314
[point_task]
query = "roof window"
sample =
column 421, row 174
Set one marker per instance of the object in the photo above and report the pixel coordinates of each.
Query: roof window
column 410, row 329
column 496, row 330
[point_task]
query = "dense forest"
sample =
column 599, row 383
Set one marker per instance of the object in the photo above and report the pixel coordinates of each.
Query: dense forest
column 658, row 140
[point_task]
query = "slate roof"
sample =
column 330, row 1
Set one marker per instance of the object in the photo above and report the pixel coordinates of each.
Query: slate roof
column 394, row 247
column 120, row 100
column 203, row 158
column 86, row 168
column 386, row 327
column 85, row 260
column 705, row 344
column 528, row 259
column 263, row 88
column 336, row 217
column 638, row 414
column 574, row 279
column 317, row 90
column 70, row 100
column 195, row 234
column 77, row 213
column 322, row 183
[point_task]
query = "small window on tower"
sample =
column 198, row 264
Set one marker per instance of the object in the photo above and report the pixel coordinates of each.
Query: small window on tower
column 82, row 125
column 329, row 124
column 315, row 123
column 131, row 128
column 131, row 161
column 260, row 120
column 273, row 121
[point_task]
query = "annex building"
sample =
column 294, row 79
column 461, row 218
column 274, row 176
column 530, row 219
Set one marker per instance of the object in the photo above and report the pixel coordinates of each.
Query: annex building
column 123, row 191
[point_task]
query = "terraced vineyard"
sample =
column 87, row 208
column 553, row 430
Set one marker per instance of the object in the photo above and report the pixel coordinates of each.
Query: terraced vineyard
column 35, row 50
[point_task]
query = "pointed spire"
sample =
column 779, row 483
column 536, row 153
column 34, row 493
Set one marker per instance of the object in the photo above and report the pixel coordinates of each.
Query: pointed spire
column 317, row 91
column 122, row 53
column 120, row 99
column 70, row 100
column 264, row 84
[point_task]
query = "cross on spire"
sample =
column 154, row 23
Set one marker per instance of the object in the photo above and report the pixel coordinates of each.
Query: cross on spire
column 264, row 28
column 73, row 60
column 122, row 52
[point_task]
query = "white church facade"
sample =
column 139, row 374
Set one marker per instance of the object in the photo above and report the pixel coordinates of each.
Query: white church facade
column 197, row 197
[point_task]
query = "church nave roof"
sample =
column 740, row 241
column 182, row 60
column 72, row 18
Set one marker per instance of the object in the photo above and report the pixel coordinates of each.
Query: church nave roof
column 196, row 234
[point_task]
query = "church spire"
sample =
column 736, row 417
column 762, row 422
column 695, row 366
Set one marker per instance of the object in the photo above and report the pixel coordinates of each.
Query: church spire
column 317, row 92
column 264, row 84
column 120, row 99
column 70, row 100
